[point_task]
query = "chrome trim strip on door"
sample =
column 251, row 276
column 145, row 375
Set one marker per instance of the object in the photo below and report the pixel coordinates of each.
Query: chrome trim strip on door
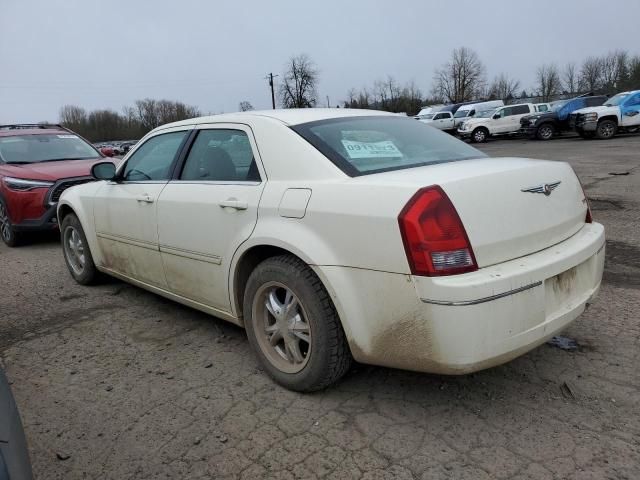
column 202, row 257
column 484, row 299
column 131, row 241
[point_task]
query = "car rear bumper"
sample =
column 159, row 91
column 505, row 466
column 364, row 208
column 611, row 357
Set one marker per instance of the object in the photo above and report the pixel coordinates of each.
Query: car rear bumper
column 464, row 323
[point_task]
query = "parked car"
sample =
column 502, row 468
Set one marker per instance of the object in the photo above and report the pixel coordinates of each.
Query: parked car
column 504, row 121
column 37, row 163
column 107, row 150
column 126, row 146
column 466, row 112
column 14, row 456
column 428, row 110
column 440, row 120
column 544, row 126
column 621, row 113
column 343, row 234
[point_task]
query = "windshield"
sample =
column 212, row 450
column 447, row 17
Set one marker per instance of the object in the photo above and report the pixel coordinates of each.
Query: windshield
column 426, row 116
column 617, row 99
column 45, row 148
column 366, row 145
column 461, row 113
column 555, row 106
column 485, row 113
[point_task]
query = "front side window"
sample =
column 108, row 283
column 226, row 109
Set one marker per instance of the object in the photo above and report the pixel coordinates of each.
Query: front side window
column 594, row 101
column 154, row 158
column 366, row 145
column 634, row 101
column 221, row 155
column 45, row 148
column 439, row 116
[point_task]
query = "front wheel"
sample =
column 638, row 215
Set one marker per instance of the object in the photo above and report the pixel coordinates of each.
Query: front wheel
column 606, row 129
column 479, row 135
column 76, row 251
column 545, row 132
column 10, row 237
column 293, row 325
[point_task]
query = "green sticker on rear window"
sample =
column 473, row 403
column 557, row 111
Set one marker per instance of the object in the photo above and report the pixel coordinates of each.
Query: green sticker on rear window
column 384, row 149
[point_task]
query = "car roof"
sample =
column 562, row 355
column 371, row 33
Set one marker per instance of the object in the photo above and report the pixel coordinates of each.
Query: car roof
column 12, row 132
column 289, row 116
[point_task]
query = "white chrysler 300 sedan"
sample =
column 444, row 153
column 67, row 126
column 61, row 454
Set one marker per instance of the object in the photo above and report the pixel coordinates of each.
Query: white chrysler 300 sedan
column 333, row 235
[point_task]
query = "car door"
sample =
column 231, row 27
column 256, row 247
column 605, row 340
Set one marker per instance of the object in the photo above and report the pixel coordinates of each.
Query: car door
column 630, row 111
column 500, row 120
column 125, row 210
column 512, row 120
column 208, row 210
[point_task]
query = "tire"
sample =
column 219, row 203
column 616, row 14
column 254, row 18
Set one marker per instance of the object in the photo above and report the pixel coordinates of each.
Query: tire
column 76, row 251
column 606, row 129
column 546, row 131
column 479, row 135
column 303, row 349
column 10, row 237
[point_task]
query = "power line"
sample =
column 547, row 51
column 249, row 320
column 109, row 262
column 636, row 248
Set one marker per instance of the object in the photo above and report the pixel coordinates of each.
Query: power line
column 270, row 77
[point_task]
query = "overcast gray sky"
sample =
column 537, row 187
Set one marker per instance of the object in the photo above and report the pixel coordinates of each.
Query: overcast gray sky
column 213, row 54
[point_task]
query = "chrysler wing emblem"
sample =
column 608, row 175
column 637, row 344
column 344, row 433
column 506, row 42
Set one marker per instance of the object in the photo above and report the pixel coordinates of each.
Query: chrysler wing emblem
column 545, row 188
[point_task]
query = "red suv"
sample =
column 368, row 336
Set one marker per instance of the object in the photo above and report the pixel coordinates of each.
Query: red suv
column 37, row 163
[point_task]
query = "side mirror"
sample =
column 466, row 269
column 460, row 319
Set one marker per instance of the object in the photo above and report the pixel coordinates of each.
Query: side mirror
column 103, row 171
column 496, row 116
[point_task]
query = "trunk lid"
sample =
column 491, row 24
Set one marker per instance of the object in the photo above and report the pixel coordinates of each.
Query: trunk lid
column 502, row 202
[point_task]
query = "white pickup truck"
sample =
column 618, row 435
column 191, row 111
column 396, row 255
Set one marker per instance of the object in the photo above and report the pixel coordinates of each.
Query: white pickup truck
column 440, row 120
column 621, row 113
column 504, row 121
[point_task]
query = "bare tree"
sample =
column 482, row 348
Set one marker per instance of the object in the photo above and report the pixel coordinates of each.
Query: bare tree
column 298, row 88
column 609, row 71
column 570, row 78
column 72, row 116
column 548, row 81
column 245, row 106
column 503, row 87
column 462, row 78
column 591, row 74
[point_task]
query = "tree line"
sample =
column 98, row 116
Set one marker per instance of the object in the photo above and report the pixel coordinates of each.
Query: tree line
column 132, row 123
column 464, row 78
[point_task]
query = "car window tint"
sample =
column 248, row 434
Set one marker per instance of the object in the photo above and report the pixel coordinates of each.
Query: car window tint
column 634, row 101
column 439, row 116
column 594, row 101
column 153, row 160
column 507, row 112
column 520, row 110
column 221, row 155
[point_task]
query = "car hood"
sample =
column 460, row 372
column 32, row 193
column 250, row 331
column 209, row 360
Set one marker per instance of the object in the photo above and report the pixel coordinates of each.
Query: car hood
column 600, row 109
column 52, row 171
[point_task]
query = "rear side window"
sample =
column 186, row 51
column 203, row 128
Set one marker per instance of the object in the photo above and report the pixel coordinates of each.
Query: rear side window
column 520, row 110
column 366, row 145
column 221, row 155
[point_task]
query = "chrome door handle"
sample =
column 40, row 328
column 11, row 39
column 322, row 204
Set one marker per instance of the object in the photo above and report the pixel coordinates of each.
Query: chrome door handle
column 145, row 197
column 233, row 203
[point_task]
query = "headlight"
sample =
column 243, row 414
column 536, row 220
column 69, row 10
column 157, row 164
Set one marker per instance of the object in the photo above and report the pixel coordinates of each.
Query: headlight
column 23, row 185
column 591, row 116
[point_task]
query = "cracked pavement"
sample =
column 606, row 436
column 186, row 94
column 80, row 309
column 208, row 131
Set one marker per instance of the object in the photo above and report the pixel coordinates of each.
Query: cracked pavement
column 127, row 385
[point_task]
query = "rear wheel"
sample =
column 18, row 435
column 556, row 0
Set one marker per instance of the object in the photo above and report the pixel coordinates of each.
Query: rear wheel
column 10, row 237
column 76, row 251
column 293, row 326
column 545, row 132
column 479, row 135
column 606, row 129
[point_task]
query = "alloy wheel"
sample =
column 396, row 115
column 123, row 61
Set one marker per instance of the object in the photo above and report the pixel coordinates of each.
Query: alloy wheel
column 74, row 250
column 282, row 327
column 479, row 136
column 545, row 132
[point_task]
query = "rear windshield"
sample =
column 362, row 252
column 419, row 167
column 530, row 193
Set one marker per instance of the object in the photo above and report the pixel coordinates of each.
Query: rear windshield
column 366, row 145
column 44, row 148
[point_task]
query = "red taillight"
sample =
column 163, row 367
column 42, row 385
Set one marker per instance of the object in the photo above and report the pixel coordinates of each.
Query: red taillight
column 434, row 238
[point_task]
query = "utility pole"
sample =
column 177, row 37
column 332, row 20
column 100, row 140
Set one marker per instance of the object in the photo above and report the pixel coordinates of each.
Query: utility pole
column 270, row 77
column 328, row 106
